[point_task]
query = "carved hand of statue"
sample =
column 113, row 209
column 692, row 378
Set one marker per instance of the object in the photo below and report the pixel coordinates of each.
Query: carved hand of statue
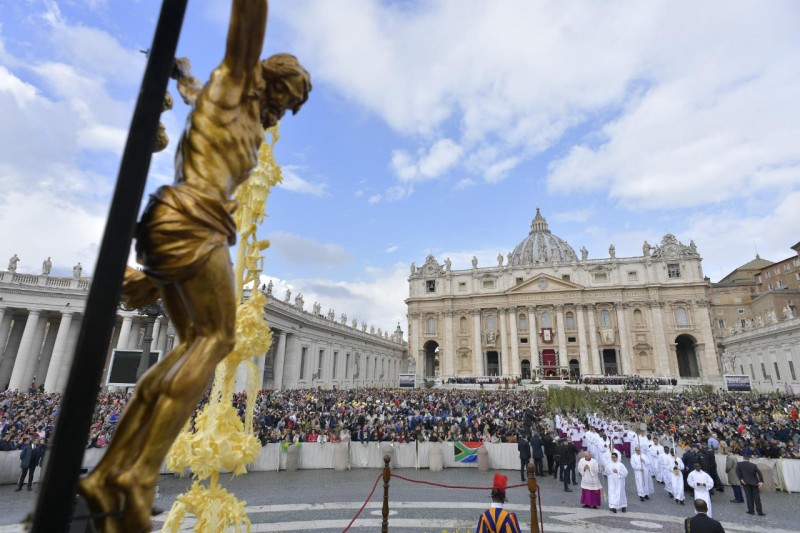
column 181, row 68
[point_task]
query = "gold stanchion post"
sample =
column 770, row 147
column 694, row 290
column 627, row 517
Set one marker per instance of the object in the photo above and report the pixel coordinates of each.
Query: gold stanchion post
column 387, row 473
column 532, row 488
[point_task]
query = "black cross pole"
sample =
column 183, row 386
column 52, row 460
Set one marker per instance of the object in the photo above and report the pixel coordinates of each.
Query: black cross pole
column 57, row 490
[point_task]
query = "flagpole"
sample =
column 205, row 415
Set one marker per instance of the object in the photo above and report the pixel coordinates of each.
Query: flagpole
column 57, row 491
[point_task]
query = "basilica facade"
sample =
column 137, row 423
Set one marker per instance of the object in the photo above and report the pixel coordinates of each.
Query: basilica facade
column 544, row 311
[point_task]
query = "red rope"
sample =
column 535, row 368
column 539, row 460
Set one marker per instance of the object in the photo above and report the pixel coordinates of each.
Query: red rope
column 365, row 503
column 453, row 486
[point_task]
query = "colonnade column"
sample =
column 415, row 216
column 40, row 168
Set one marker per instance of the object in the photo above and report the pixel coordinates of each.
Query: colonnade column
column 124, row 333
column 156, row 334
column 515, row 368
column 12, row 351
column 261, row 362
column 624, row 345
column 26, row 347
column 280, row 357
column 660, row 340
column 449, row 348
column 69, row 352
column 502, row 341
column 161, row 340
column 5, row 324
column 477, row 353
column 533, row 339
column 47, row 354
column 595, row 354
column 59, row 350
column 563, row 358
column 584, row 357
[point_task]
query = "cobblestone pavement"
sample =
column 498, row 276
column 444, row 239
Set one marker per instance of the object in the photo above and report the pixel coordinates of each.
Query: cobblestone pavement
column 326, row 501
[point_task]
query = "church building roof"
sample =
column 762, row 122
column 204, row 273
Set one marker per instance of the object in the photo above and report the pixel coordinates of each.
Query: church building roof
column 541, row 246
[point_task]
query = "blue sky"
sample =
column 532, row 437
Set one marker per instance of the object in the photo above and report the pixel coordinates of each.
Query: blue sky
column 433, row 127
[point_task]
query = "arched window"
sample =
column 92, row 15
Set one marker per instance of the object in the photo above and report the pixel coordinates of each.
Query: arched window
column 638, row 318
column 430, row 326
column 523, row 322
column 605, row 318
column 462, row 324
column 681, row 318
column 570, row 318
column 490, row 323
column 547, row 321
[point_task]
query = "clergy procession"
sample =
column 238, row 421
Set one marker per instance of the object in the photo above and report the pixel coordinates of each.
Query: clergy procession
column 602, row 443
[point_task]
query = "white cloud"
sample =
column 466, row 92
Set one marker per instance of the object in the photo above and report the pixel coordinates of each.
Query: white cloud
column 392, row 249
column 441, row 157
column 293, row 182
column 375, row 198
column 378, row 298
column 300, row 250
column 464, row 183
column 669, row 102
column 577, row 215
column 64, row 231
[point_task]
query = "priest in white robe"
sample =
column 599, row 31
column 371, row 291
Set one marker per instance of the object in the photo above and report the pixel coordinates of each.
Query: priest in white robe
column 640, row 464
column 590, row 481
column 616, row 474
column 676, row 477
column 666, row 461
column 702, row 485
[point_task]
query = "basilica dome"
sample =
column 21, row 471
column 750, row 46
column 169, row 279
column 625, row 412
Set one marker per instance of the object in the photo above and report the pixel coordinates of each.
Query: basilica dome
column 541, row 246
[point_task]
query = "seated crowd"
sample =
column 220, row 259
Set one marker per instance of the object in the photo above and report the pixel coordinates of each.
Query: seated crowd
column 765, row 425
column 630, row 382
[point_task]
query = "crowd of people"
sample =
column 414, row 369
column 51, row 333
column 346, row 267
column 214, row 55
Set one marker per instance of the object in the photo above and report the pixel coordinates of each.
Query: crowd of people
column 763, row 425
column 630, row 382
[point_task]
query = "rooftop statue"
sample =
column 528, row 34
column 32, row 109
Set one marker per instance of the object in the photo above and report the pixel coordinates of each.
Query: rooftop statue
column 182, row 241
column 13, row 262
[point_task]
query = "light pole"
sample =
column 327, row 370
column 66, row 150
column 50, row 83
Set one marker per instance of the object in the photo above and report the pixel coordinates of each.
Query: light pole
column 152, row 311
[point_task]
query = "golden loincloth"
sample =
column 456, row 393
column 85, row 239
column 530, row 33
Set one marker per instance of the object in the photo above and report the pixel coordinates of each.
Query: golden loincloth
column 180, row 227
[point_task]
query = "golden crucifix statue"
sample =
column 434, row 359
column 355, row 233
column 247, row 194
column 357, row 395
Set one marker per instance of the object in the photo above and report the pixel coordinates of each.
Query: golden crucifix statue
column 182, row 241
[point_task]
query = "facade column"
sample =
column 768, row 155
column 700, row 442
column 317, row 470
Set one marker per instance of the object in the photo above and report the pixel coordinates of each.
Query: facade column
column 584, row 356
column 533, row 339
column 59, row 350
column 664, row 366
column 414, row 346
column 280, row 357
column 563, row 358
column 133, row 339
column 710, row 361
column 240, row 382
column 124, row 333
column 478, row 363
column 449, row 354
column 624, row 345
column 72, row 333
column 595, row 364
column 502, row 341
column 47, row 354
column 23, row 353
column 12, row 351
column 515, row 367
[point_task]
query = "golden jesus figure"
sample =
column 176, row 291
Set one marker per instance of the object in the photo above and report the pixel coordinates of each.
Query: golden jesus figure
column 182, row 242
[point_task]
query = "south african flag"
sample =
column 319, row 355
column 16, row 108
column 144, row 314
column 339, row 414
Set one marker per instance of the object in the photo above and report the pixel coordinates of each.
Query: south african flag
column 466, row 452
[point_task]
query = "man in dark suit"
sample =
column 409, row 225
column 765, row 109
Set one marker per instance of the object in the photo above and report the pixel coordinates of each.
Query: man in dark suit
column 751, row 480
column 568, row 458
column 524, row 448
column 30, row 457
column 537, row 453
column 701, row 522
column 549, row 448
